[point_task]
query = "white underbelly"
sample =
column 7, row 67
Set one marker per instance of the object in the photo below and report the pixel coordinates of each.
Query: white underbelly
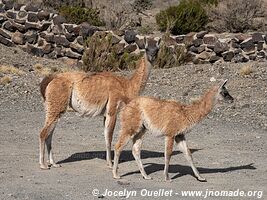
column 85, row 108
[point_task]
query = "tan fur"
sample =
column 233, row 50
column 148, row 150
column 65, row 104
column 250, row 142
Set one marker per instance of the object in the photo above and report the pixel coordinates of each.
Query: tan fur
column 162, row 117
column 89, row 95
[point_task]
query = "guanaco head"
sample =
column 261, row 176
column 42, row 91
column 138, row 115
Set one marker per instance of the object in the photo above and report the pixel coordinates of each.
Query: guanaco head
column 223, row 94
column 152, row 48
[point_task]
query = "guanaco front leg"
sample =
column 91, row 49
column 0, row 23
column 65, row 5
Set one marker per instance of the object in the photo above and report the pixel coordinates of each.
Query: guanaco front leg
column 168, row 152
column 181, row 142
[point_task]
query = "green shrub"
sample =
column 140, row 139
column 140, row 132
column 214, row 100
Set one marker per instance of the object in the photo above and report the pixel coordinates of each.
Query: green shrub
column 188, row 16
column 77, row 15
column 101, row 55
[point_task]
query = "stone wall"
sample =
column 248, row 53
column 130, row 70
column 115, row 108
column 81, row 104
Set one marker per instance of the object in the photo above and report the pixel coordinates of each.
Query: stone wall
column 41, row 33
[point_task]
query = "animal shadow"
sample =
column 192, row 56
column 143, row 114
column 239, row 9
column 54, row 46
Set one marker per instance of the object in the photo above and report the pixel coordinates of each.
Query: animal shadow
column 125, row 155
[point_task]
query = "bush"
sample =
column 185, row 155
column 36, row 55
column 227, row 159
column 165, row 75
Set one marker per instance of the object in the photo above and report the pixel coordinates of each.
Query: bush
column 77, row 15
column 237, row 16
column 101, row 55
column 56, row 4
column 188, row 16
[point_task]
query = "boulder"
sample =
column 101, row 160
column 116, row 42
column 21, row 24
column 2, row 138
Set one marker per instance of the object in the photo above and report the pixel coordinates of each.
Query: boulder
column 140, row 43
column 240, row 58
column 210, row 39
column 69, row 53
column 6, row 41
column 197, row 42
column 22, row 14
column 77, row 48
column 45, row 26
column 31, row 37
column 129, row 36
column 80, row 40
column 130, row 48
column 34, row 50
column 2, row 19
column 11, row 14
column 180, row 39
column 48, row 48
column 248, row 45
column 32, row 26
column 228, row 56
column 220, row 47
column 260, row 46
column 8, row 25
column 115, row 39
column 20, row 21
column 201, row 34
column 32, row 17
column 193, row 49
column 17, row 6
column 18, row 38
column 214, row 58
column 261, row 54
column 257, row 37
column 58, row 20
column 43, row 15
column 70, row 37
column 86, row 30
column 201, row 48
column 69, row 27
column 49, row 38
column 204, row 55
column 189, row 38
column 31, row 7
column 241, row 37
column 62, row 41
column 8, row 5
column 5, row 33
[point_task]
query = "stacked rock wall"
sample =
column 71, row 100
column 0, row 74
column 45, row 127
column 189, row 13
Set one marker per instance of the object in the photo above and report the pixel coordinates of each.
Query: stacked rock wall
column 42, row 33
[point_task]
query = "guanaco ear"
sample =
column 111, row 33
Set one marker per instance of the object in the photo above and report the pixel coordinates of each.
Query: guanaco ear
column 145, row 41
column 224, row 83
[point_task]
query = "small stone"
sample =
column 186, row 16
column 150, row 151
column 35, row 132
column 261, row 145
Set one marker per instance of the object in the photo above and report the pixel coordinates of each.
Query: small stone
column 130, row 48
column 77, row 47
column 69, row 27
column 6, row 41
column 129, row 36
column 11, row 14
column 248, row 45
column 220, row 47
column 31, row 37
column 201, row 34
column 228, row 56
column 212, row 79
column 43, row 15
column 31, row 7
column 22, row 14
column 72, row 54
column 48, row 48
column 17, row 6
column 18, row 38
column 210, row 39
column 197, row 42
column 140, row 43
column 30, row 26
column 86, row 30
column 61, row 40
column 58, row 20
column 80, row 40
column 5, row 34
column 9, row 26
column 257, row 37
column 32, row 17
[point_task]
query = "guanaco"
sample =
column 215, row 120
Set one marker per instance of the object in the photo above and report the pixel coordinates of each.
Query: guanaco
column 91, row 95
column 164, row 118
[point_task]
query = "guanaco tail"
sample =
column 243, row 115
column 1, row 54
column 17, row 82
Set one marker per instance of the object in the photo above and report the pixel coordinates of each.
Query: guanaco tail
column 167, row 118
column 91, row 95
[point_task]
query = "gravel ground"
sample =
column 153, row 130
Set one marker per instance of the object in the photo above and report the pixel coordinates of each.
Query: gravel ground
column 229, row 147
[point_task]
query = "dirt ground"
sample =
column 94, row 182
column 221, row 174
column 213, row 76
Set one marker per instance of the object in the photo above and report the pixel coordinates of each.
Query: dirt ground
column 229, row 146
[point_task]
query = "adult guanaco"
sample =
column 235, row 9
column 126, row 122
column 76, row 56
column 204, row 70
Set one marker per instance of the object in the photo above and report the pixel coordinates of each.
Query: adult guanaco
column 91, row 95
column 167, row 118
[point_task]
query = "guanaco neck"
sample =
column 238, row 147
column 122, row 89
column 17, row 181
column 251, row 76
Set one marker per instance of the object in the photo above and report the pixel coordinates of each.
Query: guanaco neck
column 138, row 80
column 198, row 110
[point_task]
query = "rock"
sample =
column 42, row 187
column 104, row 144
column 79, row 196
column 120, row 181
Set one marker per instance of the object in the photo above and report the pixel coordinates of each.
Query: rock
column 48, row 48
column 115, row 39
column 70, row 37
column 240, row 58
column 32, row 17
column 9, row 26
column 193, row 49
column 69, row 53
column 189, row 57
column 76, row 30
column 32, row 26
column 11, row 14
column 180, row 39
column 22, row 14
column 261, row 54
column 247, row 45
column 204, row 55
column 140, row 43
column 201, row 34
column 188, row 38
column 17, row 6
column 252, row 57
column 2, row 19
column 58, row 20
column 129, row 36
column 69, row 27
column 18, row 38
column 130, row 48
column 57, row 29
column 265, row 38
column 235, row 43
column 45, row 26
column 86, row 30
column 62, row 41
column 214, row 58
column 31, row 37
column 201, row 48
column 31, row 7
column 34, row 50
column 260, row 46
column 257, row 37
column 241, row 37
column 19, row 27
column 49, row 38
column 80, row 40
column 6, row 41
column 5, row 34
column 220, row 47
column 43, row 15
column 210, row 39
column 228, row 56
column 20, row 21
column 9, row 5
column 40, row 42
column 197, row 42
column 119, row 32
column 77, row 48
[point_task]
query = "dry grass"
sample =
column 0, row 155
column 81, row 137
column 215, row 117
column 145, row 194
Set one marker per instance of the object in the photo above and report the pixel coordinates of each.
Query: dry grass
column 5, row 69
column 245, row 70
column 45, row 71
column 5, row 80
